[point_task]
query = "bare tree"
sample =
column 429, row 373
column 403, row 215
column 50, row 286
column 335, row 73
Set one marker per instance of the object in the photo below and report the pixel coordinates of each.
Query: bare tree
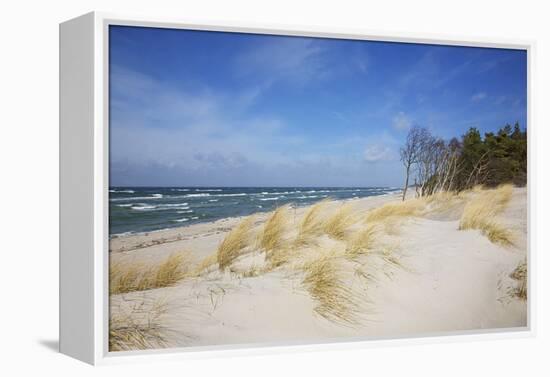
column 432, row 162
column 409, row 153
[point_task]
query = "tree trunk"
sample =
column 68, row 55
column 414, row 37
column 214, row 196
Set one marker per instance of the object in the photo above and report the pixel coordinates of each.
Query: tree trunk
column 406, row 183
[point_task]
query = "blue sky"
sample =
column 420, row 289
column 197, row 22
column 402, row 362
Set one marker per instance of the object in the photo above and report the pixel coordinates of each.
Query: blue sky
column 195, row 108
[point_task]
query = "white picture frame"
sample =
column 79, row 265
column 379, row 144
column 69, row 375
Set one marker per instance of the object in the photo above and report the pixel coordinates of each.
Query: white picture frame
column 84, row 188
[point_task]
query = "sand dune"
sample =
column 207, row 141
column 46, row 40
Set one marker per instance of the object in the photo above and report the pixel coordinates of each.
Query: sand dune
column 371, row 267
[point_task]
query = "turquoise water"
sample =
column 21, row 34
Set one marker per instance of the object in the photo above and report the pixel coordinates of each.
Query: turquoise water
column 144, row 209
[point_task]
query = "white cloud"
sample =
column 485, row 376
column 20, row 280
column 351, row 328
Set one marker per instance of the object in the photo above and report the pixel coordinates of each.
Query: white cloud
column 163, row 134
column 479, row 96
column 293, row 59
column 401, row 121
column 377, row 152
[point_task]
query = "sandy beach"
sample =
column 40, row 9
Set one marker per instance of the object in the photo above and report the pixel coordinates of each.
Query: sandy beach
column 419, row 275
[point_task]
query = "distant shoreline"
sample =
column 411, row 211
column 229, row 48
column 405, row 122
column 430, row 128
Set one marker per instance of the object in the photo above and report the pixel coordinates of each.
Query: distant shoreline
column 134, row 210
column 130, row 241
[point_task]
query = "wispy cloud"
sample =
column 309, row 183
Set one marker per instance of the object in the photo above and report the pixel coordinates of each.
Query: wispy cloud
column 378, row 152
column 478, row 96
column 401, row 121
column 294, row 60
column 236, row 109
column 174, row 136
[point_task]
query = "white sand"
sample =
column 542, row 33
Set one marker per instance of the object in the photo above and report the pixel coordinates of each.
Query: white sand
column 446, row 280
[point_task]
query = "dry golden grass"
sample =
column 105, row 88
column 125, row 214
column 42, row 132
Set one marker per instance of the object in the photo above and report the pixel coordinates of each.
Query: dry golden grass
column 138, row 330
column 481, row 211
column 338, row 224
column 205, row 264
column 323, row 282
column 360, row 243
column 280, row 256
column 412, row 207
column 130, row 277
column 497, row 233
column 271, row 237
column 311, row 225
column 388, row 255
column 124, row 277
column 234, row 243
column 478, row 188
column 520, row 275
column 440, row 197
column 170, row 271
column 253, row 271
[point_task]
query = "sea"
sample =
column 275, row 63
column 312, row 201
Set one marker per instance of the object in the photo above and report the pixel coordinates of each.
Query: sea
column 146, row 209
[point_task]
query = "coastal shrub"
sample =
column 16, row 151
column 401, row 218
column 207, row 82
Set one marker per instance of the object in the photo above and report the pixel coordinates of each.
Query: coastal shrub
column 133, row 276
column 234, row 243
column 462, row 163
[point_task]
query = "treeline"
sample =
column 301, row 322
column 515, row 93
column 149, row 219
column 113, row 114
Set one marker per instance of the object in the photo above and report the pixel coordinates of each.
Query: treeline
column 437, row 165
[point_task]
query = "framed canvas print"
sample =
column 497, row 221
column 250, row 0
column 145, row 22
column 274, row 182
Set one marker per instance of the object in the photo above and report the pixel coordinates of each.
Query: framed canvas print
column 227, row 188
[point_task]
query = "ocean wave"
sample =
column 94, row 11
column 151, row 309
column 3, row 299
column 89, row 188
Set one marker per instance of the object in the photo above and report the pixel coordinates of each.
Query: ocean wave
column 143, row 208
column 155, row 196
column 160, row 207
column 296, row 192
column 185, row 219
column 267, row 199
column 310, row 196
column 213, row 190
column 195, row 195
column 123, row 191
column 212, row 200
column 174, row 205
column 282, row 192
column 190, row 211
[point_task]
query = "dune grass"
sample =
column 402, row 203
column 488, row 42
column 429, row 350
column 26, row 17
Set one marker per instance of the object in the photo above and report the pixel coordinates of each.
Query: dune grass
column 339, row 222
column 271, row 237
column 481, row 211
column 205, row 264
column 360, row 243
column 323, row 282
column 234, row 243
column 311, row 225
column 520, row 275
column 443, row 201
column 126, row 335
column 441, row 197
column 138, row 329
column 412, row 207
column 280, row 256
column 130, row 277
